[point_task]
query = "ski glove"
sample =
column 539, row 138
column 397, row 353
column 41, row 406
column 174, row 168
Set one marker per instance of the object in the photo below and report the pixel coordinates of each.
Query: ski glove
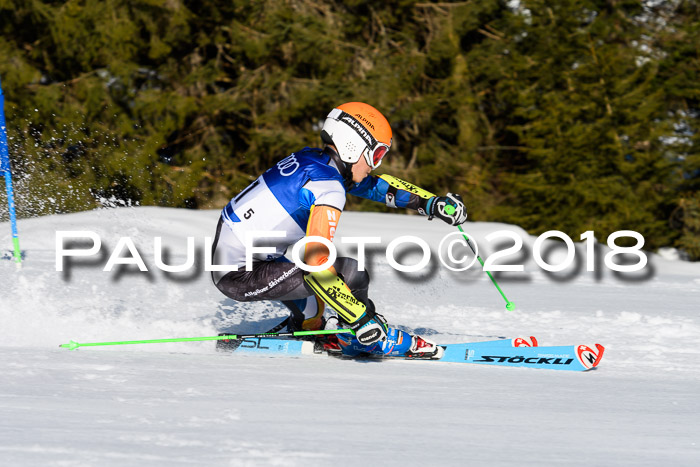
column 371, row 327
column 449, row 208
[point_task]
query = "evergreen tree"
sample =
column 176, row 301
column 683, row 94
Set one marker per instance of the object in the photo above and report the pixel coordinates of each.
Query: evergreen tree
column 676, row 33
column 575, row 100
column 569, row 115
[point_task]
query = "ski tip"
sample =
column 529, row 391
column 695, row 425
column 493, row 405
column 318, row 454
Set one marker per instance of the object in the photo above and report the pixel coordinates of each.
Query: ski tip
column 588, row 357
column 525, row 342
column 601, row 350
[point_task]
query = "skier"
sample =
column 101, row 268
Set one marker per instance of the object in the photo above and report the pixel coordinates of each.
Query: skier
column 304, row 195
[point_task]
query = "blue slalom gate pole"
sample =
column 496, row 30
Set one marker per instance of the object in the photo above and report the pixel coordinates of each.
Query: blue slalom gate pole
column 5, row 168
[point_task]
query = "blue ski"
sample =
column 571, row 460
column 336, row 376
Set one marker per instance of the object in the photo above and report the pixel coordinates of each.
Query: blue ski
column 567, row 357
column 281, row 346
column 267, row 346
column 520, row 352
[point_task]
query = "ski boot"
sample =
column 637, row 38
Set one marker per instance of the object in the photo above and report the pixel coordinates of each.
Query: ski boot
column 423, row 349
column 327, row 343
column 306, row 314
column 398, row 344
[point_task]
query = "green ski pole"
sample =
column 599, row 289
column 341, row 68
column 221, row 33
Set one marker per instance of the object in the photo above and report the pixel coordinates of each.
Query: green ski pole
column 510, row 306
column 72, row 345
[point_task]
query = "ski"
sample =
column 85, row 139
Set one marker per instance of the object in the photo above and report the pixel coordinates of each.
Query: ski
column 262, row 345
column 271, row 345
column 567, row 357
column 518, row 352
column 267, row 346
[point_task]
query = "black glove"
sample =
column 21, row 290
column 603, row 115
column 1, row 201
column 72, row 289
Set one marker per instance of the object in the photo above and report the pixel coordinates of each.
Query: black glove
column 449, row 208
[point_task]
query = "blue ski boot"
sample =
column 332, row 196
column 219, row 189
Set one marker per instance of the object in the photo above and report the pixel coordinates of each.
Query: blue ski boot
column 397, row 344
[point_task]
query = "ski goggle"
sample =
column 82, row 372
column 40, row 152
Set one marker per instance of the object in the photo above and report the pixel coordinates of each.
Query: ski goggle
column 376, row 150
column 378, row 153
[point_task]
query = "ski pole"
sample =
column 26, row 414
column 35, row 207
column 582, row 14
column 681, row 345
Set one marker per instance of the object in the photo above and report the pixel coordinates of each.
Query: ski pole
column 72, row 345
column 5, row 169
column 510, row 306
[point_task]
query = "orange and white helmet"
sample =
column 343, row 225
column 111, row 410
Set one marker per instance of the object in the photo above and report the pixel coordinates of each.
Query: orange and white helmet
column 358, row 130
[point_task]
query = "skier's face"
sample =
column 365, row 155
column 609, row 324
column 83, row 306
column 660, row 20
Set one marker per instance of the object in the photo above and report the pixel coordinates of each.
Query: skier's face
column 360, row 170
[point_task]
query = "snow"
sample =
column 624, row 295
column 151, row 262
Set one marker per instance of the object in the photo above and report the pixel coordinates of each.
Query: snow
column 185, row 404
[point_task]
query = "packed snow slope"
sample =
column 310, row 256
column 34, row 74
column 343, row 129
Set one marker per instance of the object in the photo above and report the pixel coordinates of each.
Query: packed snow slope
column 185, row 404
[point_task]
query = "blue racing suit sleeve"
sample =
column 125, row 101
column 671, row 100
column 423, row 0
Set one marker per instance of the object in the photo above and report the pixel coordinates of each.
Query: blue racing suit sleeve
column 380, row 190
column 372, row 187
